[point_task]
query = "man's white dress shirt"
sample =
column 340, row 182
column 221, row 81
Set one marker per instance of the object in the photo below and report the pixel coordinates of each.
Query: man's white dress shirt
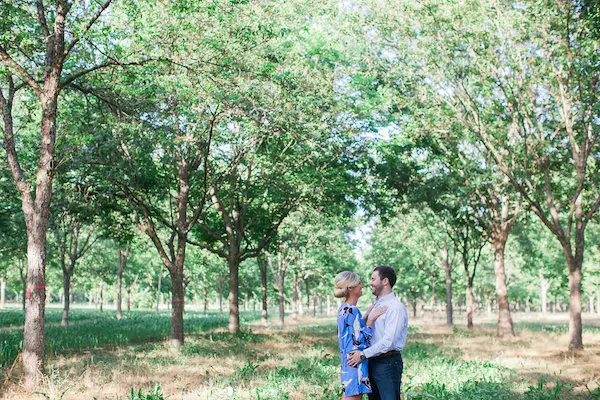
column 390, row 329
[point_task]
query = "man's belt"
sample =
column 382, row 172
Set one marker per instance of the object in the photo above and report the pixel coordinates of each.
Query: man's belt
column 387, row 354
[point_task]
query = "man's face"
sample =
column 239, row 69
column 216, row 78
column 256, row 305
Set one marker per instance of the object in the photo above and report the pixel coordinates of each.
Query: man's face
column 376, row 283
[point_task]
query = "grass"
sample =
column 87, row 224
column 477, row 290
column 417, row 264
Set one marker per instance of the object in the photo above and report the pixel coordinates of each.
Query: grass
column 90, row 329
column 130, row 359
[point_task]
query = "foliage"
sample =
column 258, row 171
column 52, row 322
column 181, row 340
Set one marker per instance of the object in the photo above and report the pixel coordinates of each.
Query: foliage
column 150, row 395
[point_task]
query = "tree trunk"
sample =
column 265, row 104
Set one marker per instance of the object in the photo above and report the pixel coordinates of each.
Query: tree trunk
column 35, row 305
column 544, row 286
column 262, row 265
column 295, row 296
column 432, row 300
column 575, row 326
column 281, row 289
column 205, row 295
column 129, row 298
column 234, row 286
column 2, row 292
column 469, row 303
column 158, row 289
column 101, row 296
column 505, row 324
column 123, row 255
column 598, row 302
column 67, row 298
column 178, row 302
column 449, row 308
column 300, row 297
column 221, row 289
column 307, row 285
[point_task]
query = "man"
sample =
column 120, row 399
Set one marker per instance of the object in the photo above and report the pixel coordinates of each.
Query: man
column 389, row 337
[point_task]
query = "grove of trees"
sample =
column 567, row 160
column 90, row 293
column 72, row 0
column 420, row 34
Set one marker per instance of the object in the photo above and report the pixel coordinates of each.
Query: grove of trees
column 201, row 153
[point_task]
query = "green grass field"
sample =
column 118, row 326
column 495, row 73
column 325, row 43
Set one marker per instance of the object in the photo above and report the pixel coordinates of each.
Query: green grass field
column 101, row 357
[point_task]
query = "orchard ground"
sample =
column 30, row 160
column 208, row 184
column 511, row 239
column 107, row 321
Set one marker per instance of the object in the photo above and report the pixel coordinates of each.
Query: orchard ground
column 127, row 360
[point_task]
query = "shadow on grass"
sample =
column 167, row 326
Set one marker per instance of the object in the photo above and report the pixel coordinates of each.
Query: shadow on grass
column 223, row 344
column 434, row 373
column 94, row 330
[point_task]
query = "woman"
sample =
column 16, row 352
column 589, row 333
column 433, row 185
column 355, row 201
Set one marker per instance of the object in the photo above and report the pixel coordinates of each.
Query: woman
column 353, row 334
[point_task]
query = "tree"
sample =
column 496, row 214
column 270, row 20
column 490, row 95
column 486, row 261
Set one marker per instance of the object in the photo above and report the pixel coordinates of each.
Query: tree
column 522, row 80
column 549, row 104
column 72, row 215
column 43, row 49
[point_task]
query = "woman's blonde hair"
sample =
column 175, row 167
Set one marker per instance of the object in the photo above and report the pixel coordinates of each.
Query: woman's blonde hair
column 343, row 281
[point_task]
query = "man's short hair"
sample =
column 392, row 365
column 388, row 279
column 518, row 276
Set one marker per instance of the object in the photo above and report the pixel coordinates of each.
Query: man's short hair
column 385, row 271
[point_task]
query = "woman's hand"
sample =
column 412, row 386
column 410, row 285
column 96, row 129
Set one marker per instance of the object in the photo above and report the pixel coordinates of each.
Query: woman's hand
column 374, row 314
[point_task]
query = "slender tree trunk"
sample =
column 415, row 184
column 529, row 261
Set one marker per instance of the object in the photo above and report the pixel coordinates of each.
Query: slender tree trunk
column 123, row 255
column 129, row 298
column 449, row 309
column 598, row 302
column 432, row 300
column 2, row 292
column 281, row 289
column 233, row 261
column 505, row 324
column 295, row 296
column 544, row 286
column 101, row 296
column 262, row 265
column 205, row 295
column 300, row 297
column 307, row 285
column 469, row 296
column 158, row 289
column 221, row 289
column 575, row 325
column 66, row 297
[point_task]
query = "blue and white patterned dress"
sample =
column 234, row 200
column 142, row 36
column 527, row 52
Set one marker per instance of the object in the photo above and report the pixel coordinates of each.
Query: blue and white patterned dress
column 353, row 334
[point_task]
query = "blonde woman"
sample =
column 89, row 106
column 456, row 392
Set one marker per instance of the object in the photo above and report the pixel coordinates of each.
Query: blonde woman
column 353, row 334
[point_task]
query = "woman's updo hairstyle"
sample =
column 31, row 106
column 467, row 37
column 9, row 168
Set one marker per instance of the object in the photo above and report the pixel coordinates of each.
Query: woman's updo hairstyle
column 343, row 280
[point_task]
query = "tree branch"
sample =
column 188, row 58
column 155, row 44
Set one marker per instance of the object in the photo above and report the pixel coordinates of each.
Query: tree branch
column 19, row 70
column 88, row 27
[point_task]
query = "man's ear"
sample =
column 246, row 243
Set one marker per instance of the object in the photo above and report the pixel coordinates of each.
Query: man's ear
column 384, row 280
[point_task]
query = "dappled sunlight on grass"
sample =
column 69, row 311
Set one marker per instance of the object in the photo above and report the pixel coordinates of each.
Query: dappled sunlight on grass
column 301, row 361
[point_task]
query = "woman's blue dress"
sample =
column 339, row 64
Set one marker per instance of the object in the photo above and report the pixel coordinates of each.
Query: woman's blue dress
column 353, row 334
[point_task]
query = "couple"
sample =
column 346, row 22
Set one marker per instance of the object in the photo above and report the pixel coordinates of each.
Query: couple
column 371, row 351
